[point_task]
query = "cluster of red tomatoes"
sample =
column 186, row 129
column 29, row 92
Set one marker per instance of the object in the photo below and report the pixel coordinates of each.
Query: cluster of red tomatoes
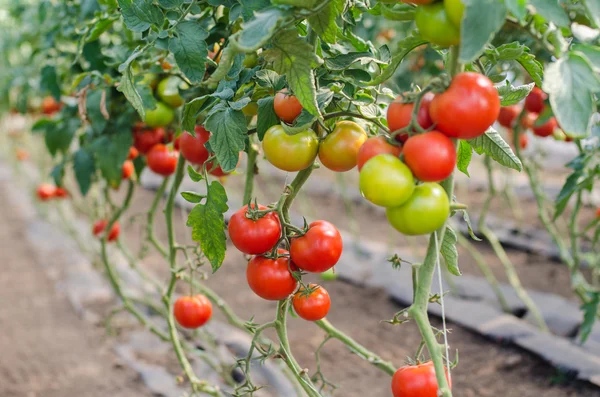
column 534, row 105
column 46, row 191
column 273, row 273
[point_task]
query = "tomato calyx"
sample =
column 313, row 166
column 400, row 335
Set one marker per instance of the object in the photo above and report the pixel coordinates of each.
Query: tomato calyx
column 254, row 213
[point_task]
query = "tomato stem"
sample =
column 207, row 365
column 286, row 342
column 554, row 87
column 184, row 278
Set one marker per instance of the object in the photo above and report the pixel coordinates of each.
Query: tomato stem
column 251, row 170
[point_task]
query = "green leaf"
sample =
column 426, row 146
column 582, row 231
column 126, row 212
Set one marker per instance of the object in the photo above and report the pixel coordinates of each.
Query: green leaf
column 467, row 220
column 294, row 57
column 139, row 15
column 208, row 224
column 570, row 186
column 593, row 9
column 398, row 12
column 170, row 4
column 111, row 151
column 482, row 20
column 492, row 144
column 592, row 53
column 463, row 158
column 517, row 7
column 57, row 173
column 511, row 95
column 551, row 10
column 571, row 83
column 533, row 67
column 228, row 128
column 189, row 49
column 506, row 52
column 297, row 3
column 220, row 74
column 93, row 106
column 405, row 46
column 258, row 31
column 192, row 197
column 98, row 28
column 194, row 175
column 449, row 251
column 590, row 311
column 344, row 61
column 323, row 22
column 270, row 79
column 190, row 112
column 266, row 117
column 58, row 137
column 84, row 168
column 128, row 88
column 49, row 81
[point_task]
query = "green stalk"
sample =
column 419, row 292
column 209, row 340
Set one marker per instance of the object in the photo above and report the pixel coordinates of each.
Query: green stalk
column 250, row 171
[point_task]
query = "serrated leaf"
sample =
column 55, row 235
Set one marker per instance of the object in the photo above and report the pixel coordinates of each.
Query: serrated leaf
column 481, row 21
column 463, row 157
column 139, row 15
column 571, row 83
column 492, row 144
column 506, row 52
column 217, row 78
column 398, row 12
column 111, row 151
column 297, row 3
column 258, row 31
column 98, row 28
column 270, row 79
column 405, row 46
column 84, row 168
column 194, row 175
column 49, row 81
column 593, row 10
column 190, row 112
column 551, row 10
column 228, row 128
column 533, row 67
column 208, row 224
column 517, row 7
column 592, row 53
column 590, row 311
column 467, row 220
column 266, row 117
column 239, row 104
column 58, row 137
column 128, row 88
column 192, row 197
column 294, row 57
column 323, row 22
column 570, row 186
column 189, row 49
column 511, row 95
column 449, row 251
column 170, row 4
column 344, row 61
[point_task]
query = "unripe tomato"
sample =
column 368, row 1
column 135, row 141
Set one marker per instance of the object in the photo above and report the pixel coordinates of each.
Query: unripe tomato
column 374, row 146
column 435, row 25
column 290, row 152
column 399, row 115
column 386, row 181
column 113, row 233
column 192, row 147
column 455, row 10
column 271, row 279
column 535, row 101
column 50, row 105
column 508, row 115
column 468, row 107
column 168, row 93
column 145, row 139
column 254, row 237
column 161, row 160
column 133, row 153
column 339, row 150
column 22, row 154
column 160, row 116
column 545, row 129
column 127, row 169
column 192, row 311
column 250, row 60
column 425, row 211
column 149, row 79
column 416, row 381
column 318, row 249
column 312, row 306
column 287, row 107
column 251, row 109
column 59, row 192
column 45, row 191
column 431, row 156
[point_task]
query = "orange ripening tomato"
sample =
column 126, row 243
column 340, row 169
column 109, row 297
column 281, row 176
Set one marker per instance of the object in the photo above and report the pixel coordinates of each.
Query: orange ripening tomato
column 192, row 311
column 127, row 169
column 22, row 154
column 133, row 153
column 312, row 306
column 287, row 107
column 50, row 105
column 374, row 146
column 339, row 150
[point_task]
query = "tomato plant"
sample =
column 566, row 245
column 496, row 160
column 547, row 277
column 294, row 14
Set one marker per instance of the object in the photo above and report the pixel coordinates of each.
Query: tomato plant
column 415, row 381
column 254, row 236
column 192, row 311
column 386, row 181
column 399, row 115
column 318, row 249
column 271, row 279
column 192, row 147
column 287, row 107
column 45, row 191
column 534, row 103
column 162, row 160
column 290, row 152
column 431, row 156
column 312, row 303
column 339, row 150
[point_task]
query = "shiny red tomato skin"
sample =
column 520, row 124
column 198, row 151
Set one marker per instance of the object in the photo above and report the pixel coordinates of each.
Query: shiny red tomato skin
column 271, row 279
column 287, row 107
column 319, row 249
column 133, row 153
column 399, row 115
column 45, row 191
column 59, row 192
column 192, row 147
column 467, row 108
column 145, row 139
column 374, row 146
column 254, row 237
column 416, row 381
column 431, row 156
column 192, row 311
column 127, row 169
column 508, row 115
column 313, row 307
column 535, row 101
column 545, row 129
column 161, row 160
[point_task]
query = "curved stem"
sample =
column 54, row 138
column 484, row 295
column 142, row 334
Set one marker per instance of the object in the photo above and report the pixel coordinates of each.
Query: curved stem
column 251, row 170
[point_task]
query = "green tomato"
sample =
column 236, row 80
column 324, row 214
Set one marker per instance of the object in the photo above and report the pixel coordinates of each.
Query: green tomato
column 160, row 116
column 455, row 10
column 250, row 60
column 290, row 152
column 251, row 109
column 425, row 211
column 435, row 25
column 329, row 275
column 386, row 181
column 168, row 91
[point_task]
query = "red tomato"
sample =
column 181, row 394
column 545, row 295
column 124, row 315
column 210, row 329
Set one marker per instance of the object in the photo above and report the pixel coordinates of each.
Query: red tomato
column 99, row 226
column 45, row 191
column 128, row 169
column 399, row 115
column 114, row 232
column 545, row 129
column 508, row 115
column 287, row 107
column 523, row 140
column 313, row 306
column 254, row 237
column 192, row 311
column 145, row 139
column 374, row 146
column 271, row 279
column 217, row 171
column 161, row 160
column 528, row 121
column 177, row 143
column 50, row 105
column 133, row 153
column 431, row 156
column 598, row 213
column 468, row 107
column 21, row 154
column 192, row 147
column 416, row 381
column 59, row 192
column 535, row 101
column 319, row 249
